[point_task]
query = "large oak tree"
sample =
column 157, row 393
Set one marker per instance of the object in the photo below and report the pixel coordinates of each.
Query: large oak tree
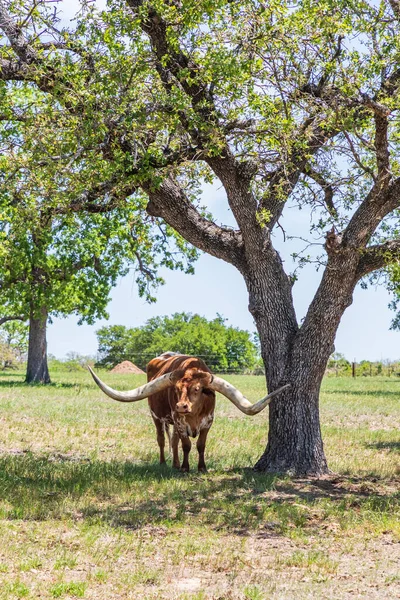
column 281, row 103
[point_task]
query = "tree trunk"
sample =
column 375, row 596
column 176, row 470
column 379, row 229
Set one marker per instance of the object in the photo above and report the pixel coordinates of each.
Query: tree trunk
column 37, row 370
column 294, row 437
column 296, row 355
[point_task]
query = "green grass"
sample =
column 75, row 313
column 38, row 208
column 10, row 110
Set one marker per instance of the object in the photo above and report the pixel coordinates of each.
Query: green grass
column 86, row 511
column 76, row 590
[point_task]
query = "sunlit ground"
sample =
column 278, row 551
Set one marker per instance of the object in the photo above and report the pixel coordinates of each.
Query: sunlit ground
column 86, row 511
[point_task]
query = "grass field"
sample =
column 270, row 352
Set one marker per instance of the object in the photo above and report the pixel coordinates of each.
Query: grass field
column 86, row 511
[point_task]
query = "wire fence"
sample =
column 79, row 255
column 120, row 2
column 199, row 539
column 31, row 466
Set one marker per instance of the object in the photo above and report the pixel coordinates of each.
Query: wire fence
column 233, row 363
column 364, row 369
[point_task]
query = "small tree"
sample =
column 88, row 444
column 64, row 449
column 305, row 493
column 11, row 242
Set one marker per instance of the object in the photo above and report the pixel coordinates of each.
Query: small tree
column 13, row 342
column 339, row 363
column 7, row 355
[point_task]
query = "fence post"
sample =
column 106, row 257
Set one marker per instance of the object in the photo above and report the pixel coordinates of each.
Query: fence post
column 353, row 369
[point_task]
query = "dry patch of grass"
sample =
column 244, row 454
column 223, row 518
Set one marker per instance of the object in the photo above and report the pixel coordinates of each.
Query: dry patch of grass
column 86, row 511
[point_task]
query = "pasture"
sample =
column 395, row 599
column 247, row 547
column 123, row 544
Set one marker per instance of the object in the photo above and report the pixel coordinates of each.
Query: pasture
column 86, row 511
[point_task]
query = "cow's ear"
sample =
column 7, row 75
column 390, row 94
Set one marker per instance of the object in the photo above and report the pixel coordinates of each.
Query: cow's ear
column 206, row 379
column 176, row 375
column 208, row 392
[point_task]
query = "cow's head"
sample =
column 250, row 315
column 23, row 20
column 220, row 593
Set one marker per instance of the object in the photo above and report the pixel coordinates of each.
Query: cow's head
column 189, row 389
column 190, row 386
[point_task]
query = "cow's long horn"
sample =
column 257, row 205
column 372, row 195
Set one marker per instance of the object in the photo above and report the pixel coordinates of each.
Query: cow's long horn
column 152, row 387
column 229, row 391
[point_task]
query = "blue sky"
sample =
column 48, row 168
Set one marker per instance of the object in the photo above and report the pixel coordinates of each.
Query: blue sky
column 217, row 287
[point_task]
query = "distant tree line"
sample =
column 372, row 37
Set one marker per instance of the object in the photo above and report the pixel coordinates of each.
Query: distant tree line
column 341, row 367
column 73, row 361
column 223, row 347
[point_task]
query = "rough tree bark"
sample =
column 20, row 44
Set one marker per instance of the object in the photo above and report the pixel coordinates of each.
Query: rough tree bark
column 37, row 370
column 297, row 355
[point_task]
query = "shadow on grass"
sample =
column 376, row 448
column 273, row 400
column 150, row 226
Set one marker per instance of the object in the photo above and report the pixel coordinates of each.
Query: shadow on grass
column 391, row 446
column 20, row 383
column 12, row 373
column 133, row 496
column 373, row 393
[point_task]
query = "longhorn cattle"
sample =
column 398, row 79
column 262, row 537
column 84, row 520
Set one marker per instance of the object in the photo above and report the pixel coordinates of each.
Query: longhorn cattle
column 181, row 392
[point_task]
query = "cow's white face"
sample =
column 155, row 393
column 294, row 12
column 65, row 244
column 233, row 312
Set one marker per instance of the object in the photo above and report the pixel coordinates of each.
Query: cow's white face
column 190, row 389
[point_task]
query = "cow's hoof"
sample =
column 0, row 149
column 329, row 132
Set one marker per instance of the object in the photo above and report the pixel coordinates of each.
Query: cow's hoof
column 202, row 469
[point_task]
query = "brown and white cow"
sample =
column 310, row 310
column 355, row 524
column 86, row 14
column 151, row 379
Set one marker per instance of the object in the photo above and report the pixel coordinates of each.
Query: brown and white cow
column 181, row 392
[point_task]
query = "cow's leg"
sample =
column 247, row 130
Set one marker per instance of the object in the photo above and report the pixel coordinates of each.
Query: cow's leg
column 175, row 450
column 160, row 439
column 186, row 446
column 201, row 446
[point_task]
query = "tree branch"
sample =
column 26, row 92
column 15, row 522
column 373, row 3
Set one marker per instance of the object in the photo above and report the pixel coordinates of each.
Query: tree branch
column 63, row 275
column 377, row 257
column 382, row 149
column 14, row 70
column 25, row 68
column 172, row 62
column 326, row 187
column 143, row 269
column 284, row 179
column 18, row 42
column 357, row 157
column 87, row 201
column 370, row 213
column 316, row 89
column 391, row 83
column 14, row 318
column 171, row 204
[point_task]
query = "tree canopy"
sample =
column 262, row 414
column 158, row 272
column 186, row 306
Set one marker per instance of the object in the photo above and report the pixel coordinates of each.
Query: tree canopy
column 224, row 348
column 149, row 97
